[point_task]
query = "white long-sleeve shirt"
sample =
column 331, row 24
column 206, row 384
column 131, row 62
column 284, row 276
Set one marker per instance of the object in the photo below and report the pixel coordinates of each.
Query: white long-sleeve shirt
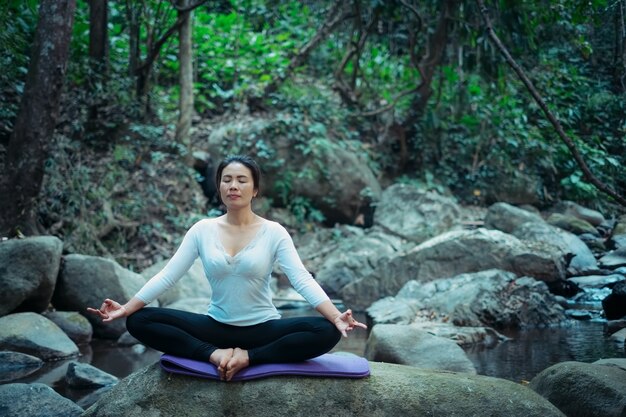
column 240, row 284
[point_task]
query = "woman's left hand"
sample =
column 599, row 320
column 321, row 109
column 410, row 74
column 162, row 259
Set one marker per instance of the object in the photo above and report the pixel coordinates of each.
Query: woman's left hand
column 345, row 323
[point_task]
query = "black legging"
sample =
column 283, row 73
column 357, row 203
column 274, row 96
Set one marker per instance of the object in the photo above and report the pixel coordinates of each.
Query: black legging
column 196, row 336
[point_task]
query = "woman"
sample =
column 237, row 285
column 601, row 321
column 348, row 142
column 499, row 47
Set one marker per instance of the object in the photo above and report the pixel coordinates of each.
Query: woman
column 242, row 326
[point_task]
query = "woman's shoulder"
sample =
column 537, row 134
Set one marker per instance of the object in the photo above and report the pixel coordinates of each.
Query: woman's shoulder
column 276, row 227
column 203, row 224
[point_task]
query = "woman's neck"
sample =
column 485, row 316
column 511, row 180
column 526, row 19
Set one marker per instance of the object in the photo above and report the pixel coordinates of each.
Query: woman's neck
column 244, row 217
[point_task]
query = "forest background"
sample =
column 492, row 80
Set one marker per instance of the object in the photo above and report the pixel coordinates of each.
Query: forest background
column 105, row 102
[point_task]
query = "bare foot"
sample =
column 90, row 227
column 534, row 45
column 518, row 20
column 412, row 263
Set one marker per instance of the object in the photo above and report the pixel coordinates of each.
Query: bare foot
column 239, row 361
column 220, row 358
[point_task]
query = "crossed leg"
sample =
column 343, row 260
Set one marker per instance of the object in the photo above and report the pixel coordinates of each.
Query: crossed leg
column 232, row 348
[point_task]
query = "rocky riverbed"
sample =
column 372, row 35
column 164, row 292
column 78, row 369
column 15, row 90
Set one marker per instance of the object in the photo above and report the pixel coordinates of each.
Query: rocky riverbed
column 435, row 282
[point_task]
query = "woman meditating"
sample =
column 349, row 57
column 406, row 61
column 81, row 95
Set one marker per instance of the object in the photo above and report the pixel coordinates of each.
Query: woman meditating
column 242, row 327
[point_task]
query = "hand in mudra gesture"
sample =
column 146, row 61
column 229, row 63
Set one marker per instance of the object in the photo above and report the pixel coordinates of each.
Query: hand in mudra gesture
column 345, row 323
column 109, row 311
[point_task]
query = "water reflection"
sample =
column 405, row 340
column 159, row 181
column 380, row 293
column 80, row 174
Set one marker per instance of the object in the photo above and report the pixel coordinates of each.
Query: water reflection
column 531, row 351
column 105, row 355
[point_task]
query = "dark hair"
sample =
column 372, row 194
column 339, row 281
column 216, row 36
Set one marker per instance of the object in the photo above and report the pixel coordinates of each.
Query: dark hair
column 244, row 160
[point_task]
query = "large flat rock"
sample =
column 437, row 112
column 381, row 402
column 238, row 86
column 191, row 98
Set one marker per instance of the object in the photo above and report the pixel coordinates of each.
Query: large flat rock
column 390, row 390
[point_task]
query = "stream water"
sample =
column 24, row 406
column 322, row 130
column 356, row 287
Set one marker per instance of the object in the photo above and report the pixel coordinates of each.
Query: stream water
column 521, row 358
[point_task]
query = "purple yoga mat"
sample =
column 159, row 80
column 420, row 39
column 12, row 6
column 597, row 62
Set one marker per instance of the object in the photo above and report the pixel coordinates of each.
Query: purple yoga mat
column 328, row 365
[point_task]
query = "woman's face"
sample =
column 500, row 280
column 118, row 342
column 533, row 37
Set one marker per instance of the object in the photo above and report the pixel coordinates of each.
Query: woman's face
column 237, row 185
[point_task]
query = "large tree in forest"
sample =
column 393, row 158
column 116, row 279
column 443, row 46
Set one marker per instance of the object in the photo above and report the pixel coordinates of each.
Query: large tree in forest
column 186, row 73
column 28, row 146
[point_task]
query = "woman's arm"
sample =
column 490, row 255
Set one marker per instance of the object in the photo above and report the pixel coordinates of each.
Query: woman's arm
column 180, row 263
column 307, row 286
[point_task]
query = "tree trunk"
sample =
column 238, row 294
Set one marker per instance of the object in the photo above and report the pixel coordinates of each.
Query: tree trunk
column 36, row 120
column 619, row 64
column 98, row 57
column 132, row 16
column 436, row 48
column 185, row 59
column 98, row 36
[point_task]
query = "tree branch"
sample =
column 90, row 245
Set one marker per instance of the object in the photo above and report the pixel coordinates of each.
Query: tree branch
column 420, row 22
column 555, row 123
column 333, row 19
column 393, row 102
column 188, row 8
column 156, row 49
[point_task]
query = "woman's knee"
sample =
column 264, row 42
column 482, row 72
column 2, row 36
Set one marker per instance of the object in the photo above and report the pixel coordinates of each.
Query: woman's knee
column 328, row 332
column 137, row 320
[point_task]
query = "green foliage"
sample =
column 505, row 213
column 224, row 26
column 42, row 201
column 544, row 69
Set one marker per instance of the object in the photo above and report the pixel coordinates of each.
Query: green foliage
column 86, row 192
column 18, row 20
column 304, row 211
column 479, row 127
column 483, row 131
column 240, row 52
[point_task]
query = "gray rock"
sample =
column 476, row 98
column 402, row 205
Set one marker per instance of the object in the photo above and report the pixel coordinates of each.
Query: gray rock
column 491, row 298
column 572, row 224
column 582, row 262
column 614, row 325
column 570, row 208
column 595, row 243
column 192, row 284
column 34, row 334
column 355, row 256
column 415, row 214
column 28, row 273
column 583, row 390
column 617, row 242
column 620, row 337
column 338, row 204
column 514, row 187
column 407, row 345
column 451, row 254
column 83, row 375
column 312, row 180
column 75, row 325
column 621, row 270
column 618, row 362
column 85, row 281
column 35, row 400
column 390, row 390
column 14, row 365
column 579, row 314
column 620, row 226
column 597, row 281
column 314, row 246
column 506, row 218
column 614, row 259
column 126, row 339
column 91, row 398
column 393, row 310
column 462, row 335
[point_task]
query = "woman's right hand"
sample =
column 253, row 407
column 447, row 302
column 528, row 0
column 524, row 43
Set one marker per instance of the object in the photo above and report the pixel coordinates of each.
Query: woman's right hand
column 109, row 311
